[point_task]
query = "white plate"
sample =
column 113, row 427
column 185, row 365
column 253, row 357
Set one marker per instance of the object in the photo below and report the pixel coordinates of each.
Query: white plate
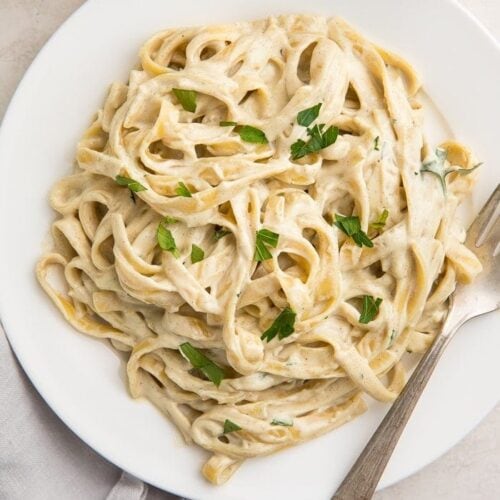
column 82, row 380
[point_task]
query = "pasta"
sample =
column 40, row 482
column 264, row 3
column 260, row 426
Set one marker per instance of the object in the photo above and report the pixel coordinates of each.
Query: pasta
column 257, row 221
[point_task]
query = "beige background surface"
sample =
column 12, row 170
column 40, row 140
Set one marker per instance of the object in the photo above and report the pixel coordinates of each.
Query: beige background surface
column 471, row 470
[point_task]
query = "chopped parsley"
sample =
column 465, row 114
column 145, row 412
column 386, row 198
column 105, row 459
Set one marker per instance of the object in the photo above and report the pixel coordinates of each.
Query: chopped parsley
column 197, row 254
column 351, row 226
column 247, row 132
column 212, row 371
column 187, row 99
column 170, row 220
column 282, row 422
column 376, row 145
column 220, row 232
column 251, row 134
column 134, row 186
column 283, row 326
column 307, row 116
column 370, row 309
column 265, row 238
column 230, row 426
column 165, row 237
column 392, row 337
column 319, row 138
column 329, row 137
column 379, row 223
column 183, row 190
column 438, row 168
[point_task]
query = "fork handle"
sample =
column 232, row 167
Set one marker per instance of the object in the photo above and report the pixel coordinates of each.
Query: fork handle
column 361, row 481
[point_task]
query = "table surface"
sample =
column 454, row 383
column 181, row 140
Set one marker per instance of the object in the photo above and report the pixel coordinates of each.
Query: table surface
column 471, row 470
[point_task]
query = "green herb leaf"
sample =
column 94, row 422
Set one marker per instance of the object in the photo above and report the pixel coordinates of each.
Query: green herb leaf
column 282, row 326
column 307, row 116
column 299, row 149
column 361, row 239
column 227, row 124
column 437, row 168
column 134, row 186
column 170, row 220
column 315, row 143
column 379, row 223
column 391, row 339
column 220, row 232
column 316, row 131
column 441, row 154
column 182, row 190
column 230, row 426
column 187, row 98
column 376, row 143
column 462, row 171
column 268, row 237
column 329, row 137
column 252, row 134
column 197, row 254
column 265, row 238
column 283, row 423
column 166, row 239
column 370, row 309
column 212, row 371
column 351, row 226
column 317, row 140
column 261, row 252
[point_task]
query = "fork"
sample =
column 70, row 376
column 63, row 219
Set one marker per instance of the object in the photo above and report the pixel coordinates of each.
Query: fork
column 467, row 302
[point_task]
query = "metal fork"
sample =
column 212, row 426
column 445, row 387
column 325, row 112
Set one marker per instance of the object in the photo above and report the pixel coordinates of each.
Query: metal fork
column 481, row 297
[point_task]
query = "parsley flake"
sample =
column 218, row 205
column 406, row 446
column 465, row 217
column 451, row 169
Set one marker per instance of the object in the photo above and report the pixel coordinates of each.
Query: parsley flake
column 212, row 371
column 376, row 143
column 437, row 167
column 187, row 99
column 247, row 132
column 370, row 309
column 392, row 337
column 317, row 140
column 265, row 238
column 252, row 134
column 329, row 137
column 282, row 422
column 134, row 186
column 165, row 238
column 220, row 232
column 307, row 116
column 230, row 426
column 299, row 149
column 170, row 220
column 197, row 254
column 379, row 223
column 351, row 226
column 283, row 326
column 183, row 190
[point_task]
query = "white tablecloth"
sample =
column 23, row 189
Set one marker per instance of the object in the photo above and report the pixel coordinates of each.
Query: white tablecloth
column 41, row 459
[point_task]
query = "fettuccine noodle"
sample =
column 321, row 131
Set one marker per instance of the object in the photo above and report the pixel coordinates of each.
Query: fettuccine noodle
column 206, row 183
